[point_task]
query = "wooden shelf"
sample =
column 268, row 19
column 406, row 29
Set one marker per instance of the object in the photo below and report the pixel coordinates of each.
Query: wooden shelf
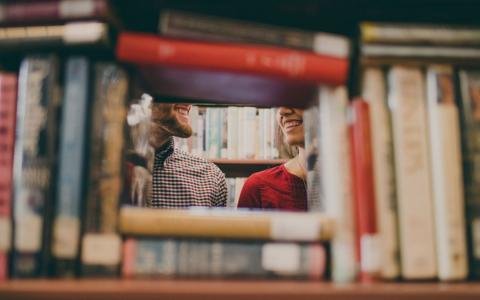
column 245, row 167
column 231, row 290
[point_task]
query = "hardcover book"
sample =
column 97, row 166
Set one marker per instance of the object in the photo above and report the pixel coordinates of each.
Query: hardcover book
column 35, row 165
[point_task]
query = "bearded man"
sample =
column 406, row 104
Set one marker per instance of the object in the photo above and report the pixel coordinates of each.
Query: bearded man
column 181, row 179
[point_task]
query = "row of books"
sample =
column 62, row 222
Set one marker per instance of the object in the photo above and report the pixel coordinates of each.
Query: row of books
column 233, row 133
column 393, row 164
column 234, row 187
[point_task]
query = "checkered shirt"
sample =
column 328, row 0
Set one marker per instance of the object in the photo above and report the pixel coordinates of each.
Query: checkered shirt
column 181, row 180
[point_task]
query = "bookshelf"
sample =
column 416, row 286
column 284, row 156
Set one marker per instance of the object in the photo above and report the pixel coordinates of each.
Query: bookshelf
column 220, row 289
column 245, row 167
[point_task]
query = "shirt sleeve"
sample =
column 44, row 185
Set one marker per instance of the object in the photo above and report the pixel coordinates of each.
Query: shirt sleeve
column 250, row 194
column 221, row 192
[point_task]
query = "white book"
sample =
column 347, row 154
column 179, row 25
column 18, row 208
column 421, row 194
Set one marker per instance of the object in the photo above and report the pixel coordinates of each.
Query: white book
column 336, row 180
column 248, row 125
column 232, row 131
column 415, row 204
column 447, row 179
column 374, row 92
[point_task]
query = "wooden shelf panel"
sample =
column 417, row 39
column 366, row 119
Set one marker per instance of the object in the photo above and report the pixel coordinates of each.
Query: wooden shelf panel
column 232, row 290
column 245, row 167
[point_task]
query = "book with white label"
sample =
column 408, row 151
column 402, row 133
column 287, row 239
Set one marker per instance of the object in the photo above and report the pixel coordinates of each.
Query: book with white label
column 34, row 165
column 446, row 170
column 70, row 187
column 101, row 243
column 337, row 181
column 374, row 92
column 412, row 161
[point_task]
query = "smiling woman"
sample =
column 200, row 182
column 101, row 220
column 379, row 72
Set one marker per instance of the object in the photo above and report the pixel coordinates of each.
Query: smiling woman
column 281, row 187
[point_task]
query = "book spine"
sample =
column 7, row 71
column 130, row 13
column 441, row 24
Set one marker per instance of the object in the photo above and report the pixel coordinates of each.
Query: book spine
column 223, row 132
column 337, row 181
column 415, row 206
column 470, row 122
column 34, row 165
column 222, row 259
column 367, row 239
column 233, row 130
column 70, row 187
column 249, row 126
column 8, row 102
column 101, row 243
column 405, row 34
column 415, row 51
column 42, row 11
column 374, row 92
column 315, row 189
column 213, row 131
column 268, row 61
column 446, row 170
column 193, row 26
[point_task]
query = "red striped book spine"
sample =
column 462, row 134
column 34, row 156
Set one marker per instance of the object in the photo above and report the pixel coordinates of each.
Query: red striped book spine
column 367, row 242
column 8, row 99
column 304, row 66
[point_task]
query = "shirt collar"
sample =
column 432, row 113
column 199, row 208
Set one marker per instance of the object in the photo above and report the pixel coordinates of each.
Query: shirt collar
column 163, row 152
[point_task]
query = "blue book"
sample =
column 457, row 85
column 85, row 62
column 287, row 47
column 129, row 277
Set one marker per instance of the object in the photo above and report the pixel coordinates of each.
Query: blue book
column 70, row 187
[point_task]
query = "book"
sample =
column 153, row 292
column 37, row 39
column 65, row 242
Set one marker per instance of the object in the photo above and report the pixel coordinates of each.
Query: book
column 171, row 257
column 446, row 170
column 367, row 239
column 469, row 104
column 34, row 165
column 101, row 243
column 419, row 52
column 206, row 86
column 375, row 93
column 141, row 49
column 53, row 11
column 419, row 34
column 54, row 36
column 336, row 180
column 71, row 170
column 225, row 223
column 406, row 98
column 8, row 103
column 181, row 24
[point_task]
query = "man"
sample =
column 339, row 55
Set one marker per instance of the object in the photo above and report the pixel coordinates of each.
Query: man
column 179, row 178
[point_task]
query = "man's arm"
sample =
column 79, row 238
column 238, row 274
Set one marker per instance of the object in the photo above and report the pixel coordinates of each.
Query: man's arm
column 221, row 192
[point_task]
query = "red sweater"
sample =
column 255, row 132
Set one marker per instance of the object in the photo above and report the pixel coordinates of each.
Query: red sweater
column 274, row 188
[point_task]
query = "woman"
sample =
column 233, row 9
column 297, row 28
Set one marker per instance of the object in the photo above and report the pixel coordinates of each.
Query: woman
column 282, row 187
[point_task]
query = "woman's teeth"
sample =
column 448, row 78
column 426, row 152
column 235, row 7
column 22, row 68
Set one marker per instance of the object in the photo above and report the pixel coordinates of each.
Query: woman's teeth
column 182, row 111
column 292, row 123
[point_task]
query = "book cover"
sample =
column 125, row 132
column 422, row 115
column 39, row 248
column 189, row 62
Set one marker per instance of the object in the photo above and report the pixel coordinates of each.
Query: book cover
column 225, row 223
column 469, row 104
column 447, row 179
column 367, row 238
column 34, row 165
column 8, row 104
column 181, row 24
column 374, row 92
column 419, row 52
column 336, row 180
column 101, row 243
column 194, row 258
column 407, row 103
column 71, row 172
column 141, row 49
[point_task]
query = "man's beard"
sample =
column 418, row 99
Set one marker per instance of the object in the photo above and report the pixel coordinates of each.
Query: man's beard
column 175, row 128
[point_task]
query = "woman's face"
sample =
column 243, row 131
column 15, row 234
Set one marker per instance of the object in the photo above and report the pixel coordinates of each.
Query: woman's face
column 290, row 121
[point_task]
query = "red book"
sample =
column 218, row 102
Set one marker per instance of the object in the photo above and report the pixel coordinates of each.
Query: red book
column 364, row 194
column 8, row 99
column 276, row 62
column 48, row 11
column 224, row 87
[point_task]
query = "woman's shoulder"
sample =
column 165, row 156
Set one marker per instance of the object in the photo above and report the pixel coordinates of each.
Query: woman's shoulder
column 266, row 175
